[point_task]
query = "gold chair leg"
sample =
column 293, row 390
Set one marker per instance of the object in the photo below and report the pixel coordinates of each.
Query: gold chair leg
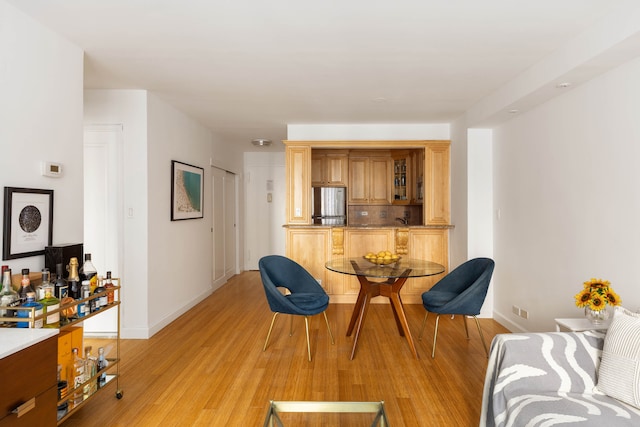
column 328, row 327
column 435, row 337
column 424, row 323
column 306, row 327
column 484, row 344
column 273, row 319
column 466, row 328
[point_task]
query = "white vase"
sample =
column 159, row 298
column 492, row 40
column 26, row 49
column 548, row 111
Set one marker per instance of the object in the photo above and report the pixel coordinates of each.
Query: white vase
column 597, row 317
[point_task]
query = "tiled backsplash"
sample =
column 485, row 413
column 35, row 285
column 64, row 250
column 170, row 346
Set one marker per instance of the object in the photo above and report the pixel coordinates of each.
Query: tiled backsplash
column 384, row 214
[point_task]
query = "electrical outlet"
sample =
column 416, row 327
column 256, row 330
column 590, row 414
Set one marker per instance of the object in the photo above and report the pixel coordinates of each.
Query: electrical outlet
column 524, row 313
column 364, row 213
column 383, row 214
column 516, row 310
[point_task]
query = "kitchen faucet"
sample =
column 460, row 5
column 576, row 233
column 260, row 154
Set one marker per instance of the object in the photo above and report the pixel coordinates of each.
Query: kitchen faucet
column 404, row 220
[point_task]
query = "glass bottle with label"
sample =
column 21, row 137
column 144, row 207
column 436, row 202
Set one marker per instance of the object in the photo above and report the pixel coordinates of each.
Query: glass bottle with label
column 8, row 297
column 90, row 369
column 84, row 308
column 31, row 303
column 108, row 284
column 25, row 286
column 89, row 272
column 78, row 377
column 102, row 366
column 73, row 281
column 102, row 300
column 61, row 286
column 40, row 287
column 50, row 303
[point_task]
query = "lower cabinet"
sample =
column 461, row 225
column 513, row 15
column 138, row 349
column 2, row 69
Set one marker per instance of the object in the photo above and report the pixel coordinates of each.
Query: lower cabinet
column 29, row 384
column 312, row 247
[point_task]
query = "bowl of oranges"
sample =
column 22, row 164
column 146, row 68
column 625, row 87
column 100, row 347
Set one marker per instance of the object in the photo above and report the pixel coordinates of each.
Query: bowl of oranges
column 382, row 257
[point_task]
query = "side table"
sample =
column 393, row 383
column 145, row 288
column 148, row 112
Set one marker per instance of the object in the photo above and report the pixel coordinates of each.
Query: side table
column 577, row 324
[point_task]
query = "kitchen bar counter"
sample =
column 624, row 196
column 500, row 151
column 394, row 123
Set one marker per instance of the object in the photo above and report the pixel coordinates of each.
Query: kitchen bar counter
column 12, row 340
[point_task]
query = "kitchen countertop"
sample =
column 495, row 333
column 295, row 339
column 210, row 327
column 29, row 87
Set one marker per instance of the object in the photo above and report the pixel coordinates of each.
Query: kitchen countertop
column 12, row 340
column 372, row 226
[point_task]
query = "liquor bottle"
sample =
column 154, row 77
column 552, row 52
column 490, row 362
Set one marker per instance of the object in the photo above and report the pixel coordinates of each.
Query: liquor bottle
column 78, row 377
column 73, row 281
column 31, row 302
column 109, row 285
column 61, row 285
column 50, row 303
column 62, row 394
column 102, row 300
column 89, row 272
column 90, row 369
column 102, row 366
column 25, row 286
column 8, row 297
column 39, row 289
column 84, row 308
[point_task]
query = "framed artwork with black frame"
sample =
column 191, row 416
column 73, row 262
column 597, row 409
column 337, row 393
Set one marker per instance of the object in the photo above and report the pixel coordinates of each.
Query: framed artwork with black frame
column 187, row 196
column 28, row 222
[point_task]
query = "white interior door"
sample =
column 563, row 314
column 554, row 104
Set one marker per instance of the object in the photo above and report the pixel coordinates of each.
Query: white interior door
column 223, row 188
column 230, row 224
column 103, row 222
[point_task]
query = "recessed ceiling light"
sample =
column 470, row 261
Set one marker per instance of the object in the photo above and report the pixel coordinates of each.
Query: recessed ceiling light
column 563, row 85
column 261, row 142
column 514, row 111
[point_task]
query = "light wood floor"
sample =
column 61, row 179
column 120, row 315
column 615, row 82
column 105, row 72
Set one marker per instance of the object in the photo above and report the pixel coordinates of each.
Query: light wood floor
column 207, row 368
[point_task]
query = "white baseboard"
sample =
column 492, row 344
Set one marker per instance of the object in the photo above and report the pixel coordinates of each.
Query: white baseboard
column 510, row 325
column 179, row 312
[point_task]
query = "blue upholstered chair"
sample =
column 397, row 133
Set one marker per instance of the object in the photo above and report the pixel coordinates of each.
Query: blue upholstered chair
column 462, row 291
column 304, row 296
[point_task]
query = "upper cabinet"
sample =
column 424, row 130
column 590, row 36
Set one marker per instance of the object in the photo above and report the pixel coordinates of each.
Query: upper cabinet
column 329, row 168
column 370, row 179
column 437, row 185
column 298, row 181
column 412, row 172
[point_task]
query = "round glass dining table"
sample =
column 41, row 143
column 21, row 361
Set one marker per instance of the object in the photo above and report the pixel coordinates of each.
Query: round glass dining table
column 394, row 275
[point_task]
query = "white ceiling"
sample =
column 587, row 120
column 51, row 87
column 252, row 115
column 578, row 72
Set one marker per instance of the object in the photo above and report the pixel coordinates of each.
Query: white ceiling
column 247, row 68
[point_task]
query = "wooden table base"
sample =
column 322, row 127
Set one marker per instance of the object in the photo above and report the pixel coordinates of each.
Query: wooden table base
column 390, row 289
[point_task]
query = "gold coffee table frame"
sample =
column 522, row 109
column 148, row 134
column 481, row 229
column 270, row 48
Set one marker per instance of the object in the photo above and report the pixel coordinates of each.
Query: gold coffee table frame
column 275, row 407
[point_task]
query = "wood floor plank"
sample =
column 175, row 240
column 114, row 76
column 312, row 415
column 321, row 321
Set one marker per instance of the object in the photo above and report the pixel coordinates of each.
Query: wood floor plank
column 207, row 368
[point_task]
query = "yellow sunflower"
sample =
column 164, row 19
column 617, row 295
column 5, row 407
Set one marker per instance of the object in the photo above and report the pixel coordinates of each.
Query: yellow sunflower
column 612, row 298
column 583, row 297
column 597, row 303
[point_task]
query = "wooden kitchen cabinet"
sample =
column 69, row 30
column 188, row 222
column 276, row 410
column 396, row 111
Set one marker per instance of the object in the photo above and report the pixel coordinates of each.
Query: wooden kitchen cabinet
column 298, row 182
column 329, row 168
column 311, row 247
column 29, row 381
column 430, row 244
column 370, row 180
column 437, row 209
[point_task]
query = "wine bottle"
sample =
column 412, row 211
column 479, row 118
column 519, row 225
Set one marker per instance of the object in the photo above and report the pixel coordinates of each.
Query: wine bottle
column 73, row 281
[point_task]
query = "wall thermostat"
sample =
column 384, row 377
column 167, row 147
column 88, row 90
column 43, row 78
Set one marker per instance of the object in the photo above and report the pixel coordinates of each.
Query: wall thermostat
column 52, row 169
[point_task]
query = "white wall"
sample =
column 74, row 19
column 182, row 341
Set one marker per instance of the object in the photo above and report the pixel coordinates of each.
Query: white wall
column 180, row 252
column 264, row 220
column 380, row 132
column 566, row 181
column 41, row 119
column 129, row 108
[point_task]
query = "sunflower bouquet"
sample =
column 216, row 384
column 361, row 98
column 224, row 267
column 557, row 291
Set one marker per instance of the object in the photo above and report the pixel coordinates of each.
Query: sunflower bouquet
column 596, row 294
